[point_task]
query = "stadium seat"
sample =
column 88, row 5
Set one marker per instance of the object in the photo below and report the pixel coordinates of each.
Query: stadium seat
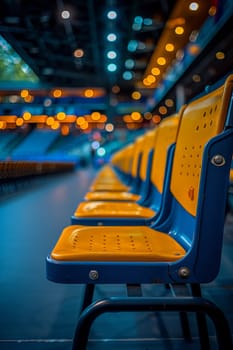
column 184, row 248
column 139, row 173
column 103, row 212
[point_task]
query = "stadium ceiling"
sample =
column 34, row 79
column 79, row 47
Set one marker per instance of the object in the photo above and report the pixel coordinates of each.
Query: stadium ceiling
column 85, row 43
column 108, row 44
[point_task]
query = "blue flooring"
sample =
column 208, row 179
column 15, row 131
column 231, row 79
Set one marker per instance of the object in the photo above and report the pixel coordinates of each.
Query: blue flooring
column 37, row 314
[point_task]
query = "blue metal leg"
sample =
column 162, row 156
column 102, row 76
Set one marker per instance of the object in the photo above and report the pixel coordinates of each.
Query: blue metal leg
column 179, row 304
column 88, row 296
column 201, row 320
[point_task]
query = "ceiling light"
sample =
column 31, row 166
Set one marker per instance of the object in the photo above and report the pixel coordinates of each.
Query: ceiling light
column 80, row 120
column 169, row 47
column 112, row 67
column 220, row 55
column 95, row 145
column 101, row 152
column 136, row 95
column 151, row 78
column 55, row 125
column 162, row 110
column 78, row 53
column 111, row 37
column 135, row 116
column 129, row 63
column 19, row 121
column 29, row 99
column 155, row 71
column 179, row 30
column 127, row 75
column 65, row 14
column 84, row 125
column 88, row 93
column 111, row 54
column 169, row 102
column 112, row 15
column 26, row 115
column 138, row 19
column 47, row 102
column 146, row 82
column 49, row 121
column 95, row 116
column 109, row 127
column 193, row 6
column 132, row 45
column 57, row 93
column 24, row 93
column 161, row 61
column 61, row 116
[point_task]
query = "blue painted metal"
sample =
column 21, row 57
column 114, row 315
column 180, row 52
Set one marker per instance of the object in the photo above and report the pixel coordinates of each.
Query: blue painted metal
column 194, row 233
column 159, row 202
column 140, row 304
column 201, row 235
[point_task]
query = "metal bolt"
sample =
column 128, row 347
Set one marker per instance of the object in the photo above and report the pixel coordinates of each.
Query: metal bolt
column 218, row 160
column 184, row 272
column 93, row 275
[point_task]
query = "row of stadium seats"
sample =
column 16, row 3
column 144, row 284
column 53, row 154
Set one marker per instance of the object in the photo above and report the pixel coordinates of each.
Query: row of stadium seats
column 156, row 214
column 17, row 169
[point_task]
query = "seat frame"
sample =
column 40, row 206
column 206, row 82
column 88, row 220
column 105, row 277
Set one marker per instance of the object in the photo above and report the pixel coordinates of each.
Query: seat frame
column 193, row 233
column 151, row 197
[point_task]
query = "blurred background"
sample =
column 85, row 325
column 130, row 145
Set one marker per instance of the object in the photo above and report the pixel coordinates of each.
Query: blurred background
column 80, row 79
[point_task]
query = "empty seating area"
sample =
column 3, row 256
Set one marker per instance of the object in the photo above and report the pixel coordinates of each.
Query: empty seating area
column 177, row 241
column 18, row 169
column 24, row 157
column 116, row 175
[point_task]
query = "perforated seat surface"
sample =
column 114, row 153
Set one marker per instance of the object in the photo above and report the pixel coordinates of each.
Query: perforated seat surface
column 88, row 243
column 112, row 195
column 113, row 209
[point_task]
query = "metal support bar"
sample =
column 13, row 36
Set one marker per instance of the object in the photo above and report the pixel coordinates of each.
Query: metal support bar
column 201, row 320
column 120, row 304
column 182, row 290
column 88, row 296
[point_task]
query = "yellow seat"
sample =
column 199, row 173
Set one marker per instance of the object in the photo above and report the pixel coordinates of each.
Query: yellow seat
column 147, row 145
column 119, row 209
column 80, row 243
column 106, row 175
column 165, row 136
column 188, row 229
column 110, row 181
column 185, row 248
column 107, row 179
column 111, row 195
